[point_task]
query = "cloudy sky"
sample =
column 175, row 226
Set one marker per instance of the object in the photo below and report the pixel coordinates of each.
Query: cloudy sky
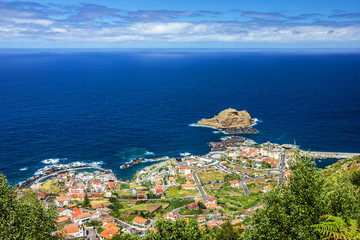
column 180, row 24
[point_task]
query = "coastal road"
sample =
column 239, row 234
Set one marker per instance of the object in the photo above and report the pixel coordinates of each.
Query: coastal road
column 282, row 164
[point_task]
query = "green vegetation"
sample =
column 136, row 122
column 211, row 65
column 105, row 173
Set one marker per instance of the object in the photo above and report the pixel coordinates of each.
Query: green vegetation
column 124, row 186
column 176, row 192
column 229, row 177
column 265, row 165
column 291, row 210
column 180, row 179
column 93, row 223
column 148, row 184
column 336, row 228
column 86, row 202
column 206, row 177
column 26, row 217
column 181, row 230
column 186, row 211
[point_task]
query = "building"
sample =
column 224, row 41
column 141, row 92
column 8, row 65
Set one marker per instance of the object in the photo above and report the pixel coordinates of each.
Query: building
column 73, row 230
column 42, row 196
column 172, row 181
column 82, row 218
column 201, row 219
column 98, row 187
column 159, row 190
column 171, row 216
column 211, row 205
column 75, row 189
column 235, row 221
column 61, row 201
column 193, row 206
column 191, row 162
column 109, row 232
column 188, row 186
column 69, row 184
column 234, row 183
column 211, row 200
column 140, row 221
column 182, row 169
column 62, row 220
column 189, row 178
column 157, row 183
column 77, row 196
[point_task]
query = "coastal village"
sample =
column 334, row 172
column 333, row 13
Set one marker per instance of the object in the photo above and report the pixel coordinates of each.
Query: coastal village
column 224, row 185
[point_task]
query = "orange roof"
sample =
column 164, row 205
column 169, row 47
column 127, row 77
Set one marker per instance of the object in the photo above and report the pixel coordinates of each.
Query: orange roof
column 140, row 220
column 62, row 198
column 210, row 199
column 42, row 194
column 61, row 209
column 75, row 187
column 132, row 200
column 72, row 228
column 188, row 185
column 230, row 152
column 209, row 169
column 97, row 182
column 236, row 221
column 158, row 188
column 78, row 195
column 157, row 182
column 72, row 205
column 201, row 218
column 77, row 212
column 109, row 232
column 234, row 182
column 111, row 183
column 84, row 215
column 172, row 179
column 211, row 205
column 184, row 167
column 157, row 177
column 62, row 219
column 191, row 160
column 109, row 225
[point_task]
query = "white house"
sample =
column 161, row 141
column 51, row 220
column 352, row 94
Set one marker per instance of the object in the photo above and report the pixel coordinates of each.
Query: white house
column 234, row 183
column 74, row 230
column 75, row 189
column 141, row 222
column 171, row 216
column 61, row 201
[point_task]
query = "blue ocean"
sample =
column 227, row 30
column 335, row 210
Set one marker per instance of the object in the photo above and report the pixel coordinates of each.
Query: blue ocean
column 113, row 105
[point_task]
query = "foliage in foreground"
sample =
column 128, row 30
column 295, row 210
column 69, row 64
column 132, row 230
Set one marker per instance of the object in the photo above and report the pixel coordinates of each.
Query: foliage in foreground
column 336, row 228
column 291, row 210
column 182, row 230
column 24, row 218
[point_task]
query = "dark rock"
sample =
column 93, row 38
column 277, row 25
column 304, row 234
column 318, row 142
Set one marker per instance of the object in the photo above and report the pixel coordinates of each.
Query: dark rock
column 229, row 142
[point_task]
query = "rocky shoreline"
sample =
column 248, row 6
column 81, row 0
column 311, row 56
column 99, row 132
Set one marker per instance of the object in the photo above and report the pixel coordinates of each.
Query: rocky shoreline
column 133, row 162
column 240, row 130
column 228, row 142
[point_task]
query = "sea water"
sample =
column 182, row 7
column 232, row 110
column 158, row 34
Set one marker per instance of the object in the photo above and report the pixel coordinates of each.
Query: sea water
column 111, row 105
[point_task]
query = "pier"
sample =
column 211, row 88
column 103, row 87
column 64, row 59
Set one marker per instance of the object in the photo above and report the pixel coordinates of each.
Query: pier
column 327, row 155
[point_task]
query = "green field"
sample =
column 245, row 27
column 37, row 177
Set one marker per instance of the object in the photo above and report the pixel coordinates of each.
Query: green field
column 206, row 177
column 174, row 192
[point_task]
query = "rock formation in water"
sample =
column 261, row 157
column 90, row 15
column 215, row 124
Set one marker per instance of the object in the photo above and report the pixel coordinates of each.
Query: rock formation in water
column 231, row 121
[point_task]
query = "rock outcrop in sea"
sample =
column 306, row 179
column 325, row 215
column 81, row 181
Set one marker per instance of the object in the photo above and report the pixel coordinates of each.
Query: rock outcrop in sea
column 228, row 142
column 230, row 121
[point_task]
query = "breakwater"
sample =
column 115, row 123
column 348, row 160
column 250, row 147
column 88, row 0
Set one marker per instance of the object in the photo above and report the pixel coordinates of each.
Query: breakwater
column 328, row 155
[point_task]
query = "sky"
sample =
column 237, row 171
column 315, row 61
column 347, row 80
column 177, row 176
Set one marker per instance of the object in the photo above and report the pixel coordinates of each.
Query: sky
column 180, row 24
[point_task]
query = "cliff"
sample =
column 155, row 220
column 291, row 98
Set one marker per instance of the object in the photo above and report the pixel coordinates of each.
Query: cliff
column 230, row 120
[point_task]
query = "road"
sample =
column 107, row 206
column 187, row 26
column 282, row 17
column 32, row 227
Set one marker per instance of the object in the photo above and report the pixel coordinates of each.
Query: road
column 198, row 184
column 246, row 190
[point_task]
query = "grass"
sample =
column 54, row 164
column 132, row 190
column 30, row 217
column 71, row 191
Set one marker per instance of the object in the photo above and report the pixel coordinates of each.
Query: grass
column 97, row 201
column 134, row 185
column 180, row 179
column 174, row 192
column 206, row 177
column 186, row 211
column 124, row 186
column 46, row 186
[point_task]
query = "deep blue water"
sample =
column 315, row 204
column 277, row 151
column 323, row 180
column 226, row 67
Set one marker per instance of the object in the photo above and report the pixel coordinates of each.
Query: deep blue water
column 113, row 105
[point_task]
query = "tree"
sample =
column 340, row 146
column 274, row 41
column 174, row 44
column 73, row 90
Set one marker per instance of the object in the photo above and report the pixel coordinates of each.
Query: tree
column 355, row 178
column 24, row 218
column 86, row 201
column 291, row 209
column 201, row 205
column 336, row 228
column 265, row 165
column 179, row 230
